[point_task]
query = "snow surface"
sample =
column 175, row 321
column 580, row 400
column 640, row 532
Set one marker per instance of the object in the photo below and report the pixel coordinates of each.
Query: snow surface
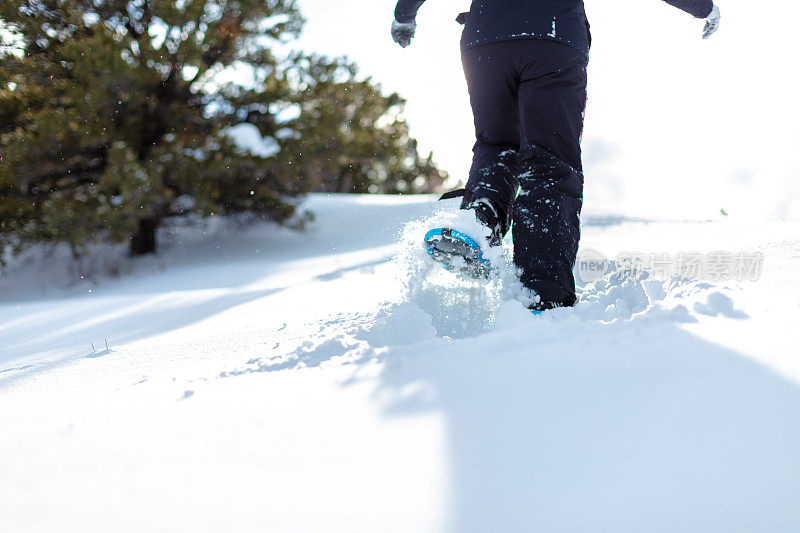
column 260, row 379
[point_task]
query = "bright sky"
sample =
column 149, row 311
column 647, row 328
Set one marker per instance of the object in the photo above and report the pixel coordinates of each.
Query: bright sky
column 676, row 126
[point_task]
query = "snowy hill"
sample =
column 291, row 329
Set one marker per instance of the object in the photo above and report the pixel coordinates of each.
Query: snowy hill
column 257, row 379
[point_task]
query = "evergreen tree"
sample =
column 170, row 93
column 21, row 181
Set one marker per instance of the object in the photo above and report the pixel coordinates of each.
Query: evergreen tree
column 118, row 114
column 107, row 122
column 351, row 138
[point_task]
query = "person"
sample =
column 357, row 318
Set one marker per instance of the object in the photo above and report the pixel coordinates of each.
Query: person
column 525, row 64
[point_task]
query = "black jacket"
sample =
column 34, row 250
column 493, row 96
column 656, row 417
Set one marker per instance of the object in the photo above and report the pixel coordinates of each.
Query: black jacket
column 558, row 20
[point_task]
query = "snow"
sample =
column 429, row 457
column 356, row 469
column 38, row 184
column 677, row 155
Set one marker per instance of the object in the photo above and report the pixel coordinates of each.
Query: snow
column 247, row 138
column 260, row 379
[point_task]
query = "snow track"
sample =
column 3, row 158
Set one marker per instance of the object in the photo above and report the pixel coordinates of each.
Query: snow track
column 260, row 380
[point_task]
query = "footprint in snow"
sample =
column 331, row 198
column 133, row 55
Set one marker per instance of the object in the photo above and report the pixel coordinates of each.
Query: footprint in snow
column 719, row 304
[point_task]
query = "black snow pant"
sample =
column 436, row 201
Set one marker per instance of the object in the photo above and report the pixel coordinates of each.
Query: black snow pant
column 528, row 97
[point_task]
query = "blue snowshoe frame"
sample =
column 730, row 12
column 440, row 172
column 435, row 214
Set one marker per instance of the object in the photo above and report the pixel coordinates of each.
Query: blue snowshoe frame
column 476, row 265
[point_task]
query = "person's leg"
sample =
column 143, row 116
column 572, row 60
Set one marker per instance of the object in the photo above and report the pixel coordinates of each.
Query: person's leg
column 493, row 82
column 546, row 214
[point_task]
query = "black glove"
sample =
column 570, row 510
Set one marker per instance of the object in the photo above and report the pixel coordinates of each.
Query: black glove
column 403, row 32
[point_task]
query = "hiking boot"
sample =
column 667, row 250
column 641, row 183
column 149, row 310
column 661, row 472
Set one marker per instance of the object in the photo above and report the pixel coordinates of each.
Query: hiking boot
column 487, row 211
column 488, row 214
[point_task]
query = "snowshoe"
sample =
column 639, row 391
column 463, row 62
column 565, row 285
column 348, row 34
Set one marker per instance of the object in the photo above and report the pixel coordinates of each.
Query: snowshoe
column 457, row 252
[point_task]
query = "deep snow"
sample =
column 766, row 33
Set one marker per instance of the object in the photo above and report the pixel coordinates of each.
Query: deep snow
column 261, row 379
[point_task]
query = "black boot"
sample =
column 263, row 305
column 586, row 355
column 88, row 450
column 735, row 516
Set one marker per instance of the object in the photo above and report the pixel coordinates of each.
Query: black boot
column 487, row 211
column 543, row 305
column 488, row 214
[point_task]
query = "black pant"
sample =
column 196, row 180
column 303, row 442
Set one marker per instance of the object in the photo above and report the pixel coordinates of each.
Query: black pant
column 528, row 97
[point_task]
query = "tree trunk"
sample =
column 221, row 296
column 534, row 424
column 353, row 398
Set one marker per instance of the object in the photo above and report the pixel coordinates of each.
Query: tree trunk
column 343, row 182
column 143, row 241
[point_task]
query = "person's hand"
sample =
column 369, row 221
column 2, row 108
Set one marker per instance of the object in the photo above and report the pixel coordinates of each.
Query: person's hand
column 712, row 23
column 403, row 32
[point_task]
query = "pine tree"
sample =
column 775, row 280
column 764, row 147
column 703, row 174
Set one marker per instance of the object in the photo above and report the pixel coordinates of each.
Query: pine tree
column 352, row 138
column 116, row 115
column 108, row 124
